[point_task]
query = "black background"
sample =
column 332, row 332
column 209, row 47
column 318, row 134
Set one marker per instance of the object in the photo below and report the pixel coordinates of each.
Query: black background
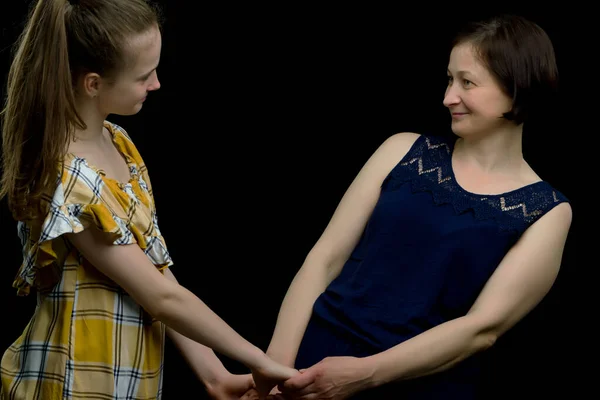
column 264, row 117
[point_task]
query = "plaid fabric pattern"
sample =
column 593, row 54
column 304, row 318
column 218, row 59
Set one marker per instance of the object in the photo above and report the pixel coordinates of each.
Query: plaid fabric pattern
column 87, row 338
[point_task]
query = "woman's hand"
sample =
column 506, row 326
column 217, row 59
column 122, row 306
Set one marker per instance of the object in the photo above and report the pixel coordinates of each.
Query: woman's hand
column 268, row 374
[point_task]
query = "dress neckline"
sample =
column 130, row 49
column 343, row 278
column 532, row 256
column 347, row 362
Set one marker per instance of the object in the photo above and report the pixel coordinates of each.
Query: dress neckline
column 130, row 162
column 448, row 161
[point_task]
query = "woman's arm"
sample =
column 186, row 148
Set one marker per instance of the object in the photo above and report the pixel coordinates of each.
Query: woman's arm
column 520, row 282
column 326, row 259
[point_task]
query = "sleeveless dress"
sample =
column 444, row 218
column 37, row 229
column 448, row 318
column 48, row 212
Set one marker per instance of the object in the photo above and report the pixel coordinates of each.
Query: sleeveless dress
column 424, row 256
column 87, row 338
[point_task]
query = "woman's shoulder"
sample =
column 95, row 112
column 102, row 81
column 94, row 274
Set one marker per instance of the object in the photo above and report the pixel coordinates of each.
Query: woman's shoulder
column 402, row 140
column 413, row 146
column 405, row 141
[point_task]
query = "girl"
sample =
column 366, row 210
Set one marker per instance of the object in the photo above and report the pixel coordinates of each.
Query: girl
column 82, row 197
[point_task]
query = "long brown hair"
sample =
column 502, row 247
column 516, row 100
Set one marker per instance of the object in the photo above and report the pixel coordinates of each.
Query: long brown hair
column 61, row 41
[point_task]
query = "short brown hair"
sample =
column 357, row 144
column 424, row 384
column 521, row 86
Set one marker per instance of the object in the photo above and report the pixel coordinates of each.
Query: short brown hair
column 520, row 56
column 61, row 40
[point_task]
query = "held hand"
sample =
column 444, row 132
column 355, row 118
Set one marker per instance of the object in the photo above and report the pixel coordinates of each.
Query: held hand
column 269, row 374
column 333, row 378
column 232, row 387
column 252, row 394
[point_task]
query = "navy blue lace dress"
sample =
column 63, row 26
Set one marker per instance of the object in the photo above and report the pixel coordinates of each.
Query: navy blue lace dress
column 426, row 253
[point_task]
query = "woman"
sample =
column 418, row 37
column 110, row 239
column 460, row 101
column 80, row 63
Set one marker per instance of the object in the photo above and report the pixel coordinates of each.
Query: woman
column 439, row 246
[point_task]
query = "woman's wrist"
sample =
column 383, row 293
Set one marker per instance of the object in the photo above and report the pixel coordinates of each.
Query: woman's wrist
column 281, row 357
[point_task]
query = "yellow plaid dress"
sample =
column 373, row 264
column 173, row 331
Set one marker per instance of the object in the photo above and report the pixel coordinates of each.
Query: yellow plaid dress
column 87, row 338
